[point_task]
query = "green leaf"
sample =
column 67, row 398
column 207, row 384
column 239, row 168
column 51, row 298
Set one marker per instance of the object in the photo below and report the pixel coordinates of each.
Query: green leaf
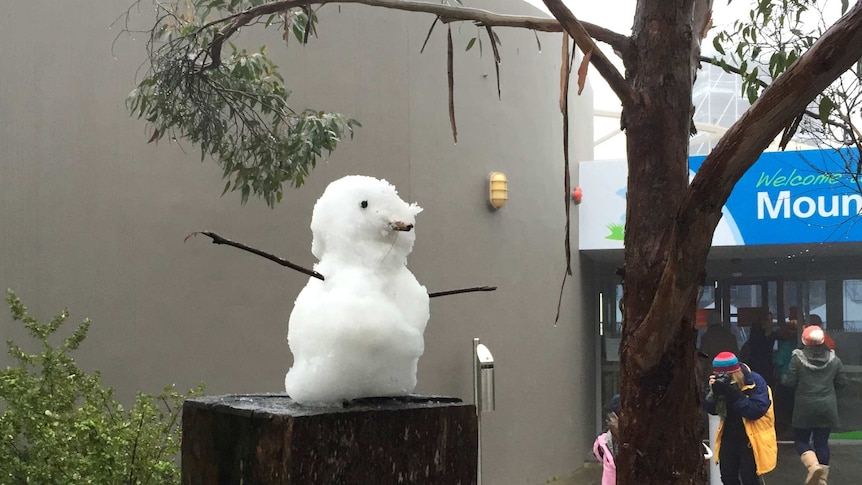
column 825, row 109
column 776, row 64
column 298, row 30
column 470, row 44
column 717, row 44
column 791, row 58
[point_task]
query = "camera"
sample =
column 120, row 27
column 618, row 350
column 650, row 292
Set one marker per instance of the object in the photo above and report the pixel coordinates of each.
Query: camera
column 723, row 378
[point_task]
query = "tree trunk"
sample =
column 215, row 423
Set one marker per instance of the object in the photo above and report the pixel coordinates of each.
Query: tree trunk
column 658, row 359
column 669, row 226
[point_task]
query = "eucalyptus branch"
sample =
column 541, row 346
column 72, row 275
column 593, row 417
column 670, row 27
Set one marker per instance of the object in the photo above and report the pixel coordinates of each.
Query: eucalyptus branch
column 234, row 104
column 445, row 13
column 746, row 139
column 238, row 113
column 763, row 84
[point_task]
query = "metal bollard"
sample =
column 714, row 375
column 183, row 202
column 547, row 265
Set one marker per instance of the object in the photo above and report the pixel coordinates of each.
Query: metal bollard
column 483, row 391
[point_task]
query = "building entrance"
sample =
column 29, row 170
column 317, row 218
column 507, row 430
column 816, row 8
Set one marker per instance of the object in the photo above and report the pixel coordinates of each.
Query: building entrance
column 765, row 306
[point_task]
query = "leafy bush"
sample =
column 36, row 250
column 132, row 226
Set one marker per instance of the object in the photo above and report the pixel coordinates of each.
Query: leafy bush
column 60, row 425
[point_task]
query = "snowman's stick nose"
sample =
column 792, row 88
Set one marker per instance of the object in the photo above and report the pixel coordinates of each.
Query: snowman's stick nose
column 401, row 226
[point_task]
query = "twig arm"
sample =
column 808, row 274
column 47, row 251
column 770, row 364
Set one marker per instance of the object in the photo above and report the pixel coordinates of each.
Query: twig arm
column 216, row 239
column 221, row 240
column 462, row 290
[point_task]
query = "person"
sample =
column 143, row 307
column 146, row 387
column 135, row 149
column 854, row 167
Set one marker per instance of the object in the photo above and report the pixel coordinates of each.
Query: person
column 605, row 446
column 828, row 341
column 815, row 372
column 745, row 445
column 787, row 339
column 786, row 336
column 717, row 338
column 759, row 348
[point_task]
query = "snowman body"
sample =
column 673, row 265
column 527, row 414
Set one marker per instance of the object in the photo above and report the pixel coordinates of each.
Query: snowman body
column 359, row 332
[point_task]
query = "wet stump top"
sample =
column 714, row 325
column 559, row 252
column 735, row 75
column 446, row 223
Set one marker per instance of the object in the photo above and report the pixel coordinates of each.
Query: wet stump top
column 270, row 439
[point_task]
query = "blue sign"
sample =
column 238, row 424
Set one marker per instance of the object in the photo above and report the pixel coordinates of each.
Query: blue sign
column 809, row 196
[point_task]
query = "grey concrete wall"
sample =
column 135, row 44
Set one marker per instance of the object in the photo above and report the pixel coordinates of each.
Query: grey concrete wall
column 93, row 218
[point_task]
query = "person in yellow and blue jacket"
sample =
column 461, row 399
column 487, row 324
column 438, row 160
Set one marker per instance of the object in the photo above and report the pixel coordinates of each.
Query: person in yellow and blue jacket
column 745, row 446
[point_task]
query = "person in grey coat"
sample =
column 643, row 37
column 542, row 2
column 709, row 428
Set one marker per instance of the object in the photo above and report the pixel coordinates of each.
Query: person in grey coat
column 717, row 339
column 815, row 372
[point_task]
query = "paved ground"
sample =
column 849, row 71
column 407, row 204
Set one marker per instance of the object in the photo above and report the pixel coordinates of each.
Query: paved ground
column 846, row 467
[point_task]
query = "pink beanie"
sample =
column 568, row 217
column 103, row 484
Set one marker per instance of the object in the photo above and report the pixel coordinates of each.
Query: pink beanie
column 813, row 335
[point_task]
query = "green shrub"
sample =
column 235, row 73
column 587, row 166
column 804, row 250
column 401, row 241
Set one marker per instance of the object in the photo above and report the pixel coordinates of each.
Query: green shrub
column 59, row 425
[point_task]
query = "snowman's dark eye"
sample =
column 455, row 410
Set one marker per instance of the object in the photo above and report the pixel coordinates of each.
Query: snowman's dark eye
column 363, row 204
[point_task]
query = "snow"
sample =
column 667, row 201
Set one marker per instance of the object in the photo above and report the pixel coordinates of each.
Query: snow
column 358, row 333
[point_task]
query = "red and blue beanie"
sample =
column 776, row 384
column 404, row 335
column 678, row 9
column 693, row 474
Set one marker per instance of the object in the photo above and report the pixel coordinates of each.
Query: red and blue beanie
column 725, row 362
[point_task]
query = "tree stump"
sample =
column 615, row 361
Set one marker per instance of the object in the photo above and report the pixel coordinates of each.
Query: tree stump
column 269, row 439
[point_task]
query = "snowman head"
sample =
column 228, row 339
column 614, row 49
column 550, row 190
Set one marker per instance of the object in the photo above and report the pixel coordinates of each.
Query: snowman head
column 362, row 219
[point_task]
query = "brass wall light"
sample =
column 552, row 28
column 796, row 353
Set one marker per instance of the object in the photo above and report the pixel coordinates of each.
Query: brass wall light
column 498, row 189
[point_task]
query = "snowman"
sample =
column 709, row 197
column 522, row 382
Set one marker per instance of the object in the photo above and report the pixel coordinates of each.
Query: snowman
column 359, row 332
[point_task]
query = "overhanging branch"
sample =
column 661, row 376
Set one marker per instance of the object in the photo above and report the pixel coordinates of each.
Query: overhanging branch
column 618, row 42
column 763, row 84
column 835, row 52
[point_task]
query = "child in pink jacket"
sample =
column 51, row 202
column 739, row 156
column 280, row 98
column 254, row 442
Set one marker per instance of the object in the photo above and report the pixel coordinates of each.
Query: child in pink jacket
column 605, row 447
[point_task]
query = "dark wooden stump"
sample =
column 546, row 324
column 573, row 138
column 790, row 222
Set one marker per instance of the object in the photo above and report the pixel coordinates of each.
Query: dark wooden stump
column 269, row 439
